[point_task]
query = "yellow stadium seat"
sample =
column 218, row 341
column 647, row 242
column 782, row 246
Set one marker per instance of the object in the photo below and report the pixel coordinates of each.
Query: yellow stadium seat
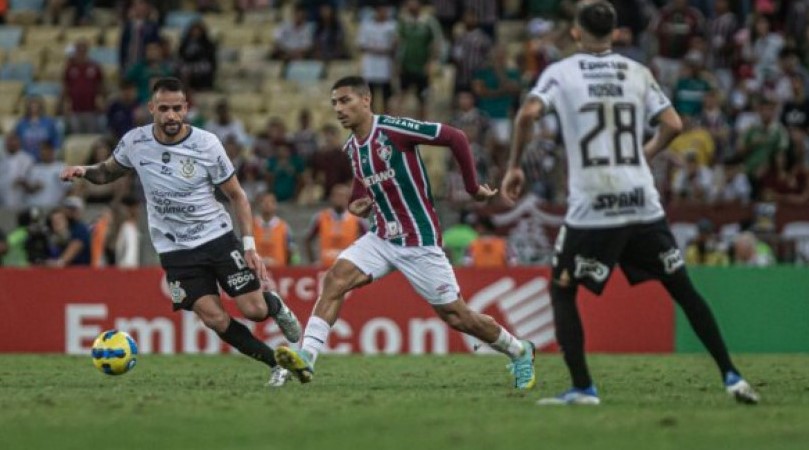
column 11, row 88
column 52, row 71
column 33, row 56
column 42, row 36
column 238, row 37
column 90, row 34
column 77, row 147
column 246, row 103
column 8, row 122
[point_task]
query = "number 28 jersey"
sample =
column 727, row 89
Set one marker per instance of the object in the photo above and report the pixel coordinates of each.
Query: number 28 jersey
column 603, row 102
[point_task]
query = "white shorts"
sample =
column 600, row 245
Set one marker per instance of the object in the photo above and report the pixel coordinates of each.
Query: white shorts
column 426, row 268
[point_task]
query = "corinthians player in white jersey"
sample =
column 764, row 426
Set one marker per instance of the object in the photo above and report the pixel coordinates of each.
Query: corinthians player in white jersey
column 614, row 215
column 179, row 166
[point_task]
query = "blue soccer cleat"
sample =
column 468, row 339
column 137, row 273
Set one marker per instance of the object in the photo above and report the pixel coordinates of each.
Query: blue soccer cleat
column 522, row 367
column 573, row 396
column 298, row 362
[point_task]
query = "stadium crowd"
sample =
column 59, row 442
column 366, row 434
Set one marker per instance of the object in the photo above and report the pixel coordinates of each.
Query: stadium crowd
column 76, row 76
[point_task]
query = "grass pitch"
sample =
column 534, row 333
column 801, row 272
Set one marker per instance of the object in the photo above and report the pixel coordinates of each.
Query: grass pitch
column 421, row 403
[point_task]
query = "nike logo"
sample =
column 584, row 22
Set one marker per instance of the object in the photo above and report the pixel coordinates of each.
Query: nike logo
column 241, row 285
column 143, row 163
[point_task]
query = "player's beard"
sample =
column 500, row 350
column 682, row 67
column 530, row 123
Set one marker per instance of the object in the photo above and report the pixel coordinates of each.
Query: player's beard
column 172, row 128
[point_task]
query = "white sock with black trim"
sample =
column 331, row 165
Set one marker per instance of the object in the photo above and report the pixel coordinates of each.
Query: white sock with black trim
column 508, row 344
column 315, row 336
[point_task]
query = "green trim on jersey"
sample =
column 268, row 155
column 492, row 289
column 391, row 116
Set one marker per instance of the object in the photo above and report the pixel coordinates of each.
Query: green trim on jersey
column 380, row 198
column 410, row 126
column 410, row 195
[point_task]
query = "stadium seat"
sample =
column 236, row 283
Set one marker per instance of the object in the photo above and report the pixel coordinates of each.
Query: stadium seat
column 53, row 71
column 26, row 55
column 7, row 121
column 10, row 36
column 22, row 71
column 305, row 71
column 104, row 55
column 684, row 232
column 111, row 37
column 44, row 88
column 90, row 34
column 181, row 19
column 42, row 36
column 251, row 55
column 27, row 5
column 340, row 69
column 798, row 232
column 238, row 37
column 246, row 103
column 78, row 146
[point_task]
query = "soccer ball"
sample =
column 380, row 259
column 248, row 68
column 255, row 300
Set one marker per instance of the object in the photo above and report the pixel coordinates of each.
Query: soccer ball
column 114, row 352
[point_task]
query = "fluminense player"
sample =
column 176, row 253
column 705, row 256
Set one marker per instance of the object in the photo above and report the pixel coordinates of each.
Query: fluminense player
column 391, row 185
column 614, row 215
column 179, row 167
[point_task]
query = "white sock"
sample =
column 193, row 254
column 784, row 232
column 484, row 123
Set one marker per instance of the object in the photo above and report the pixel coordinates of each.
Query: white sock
column 315, row 336
column 508, row 344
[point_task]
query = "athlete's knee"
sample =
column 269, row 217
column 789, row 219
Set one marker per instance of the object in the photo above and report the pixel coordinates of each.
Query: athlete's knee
column 215, row 320
column 254, row 309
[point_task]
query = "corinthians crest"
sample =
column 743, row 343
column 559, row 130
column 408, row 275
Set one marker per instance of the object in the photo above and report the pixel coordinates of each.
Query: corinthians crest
column 385, row 150
column 187, row 167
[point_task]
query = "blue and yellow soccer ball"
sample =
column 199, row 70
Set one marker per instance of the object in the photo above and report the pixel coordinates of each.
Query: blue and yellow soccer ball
column 114, row 352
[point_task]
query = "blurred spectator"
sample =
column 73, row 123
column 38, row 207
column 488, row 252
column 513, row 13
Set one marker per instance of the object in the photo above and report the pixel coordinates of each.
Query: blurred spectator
column 544, row 8
column 693, row 183
column 294, row 39
column 102, row 239
column 475, row 124
column 376, row 40
column 329, row 165
column 249, row 168
column 113, row 192
column 632, row 20
column 497, row 87
column 37, row 244
column 82, row 11
column 127, row 242
column 35, row 127
column 334, row 227
column 696, row 140
column 14, row 167
column 785, row 180
column 17, row 255
column 486, row 12
column 447, row 12
column 247, row 6
column 458, row 237
column 706, row 249
column 732, row 184
column 283, row 173
column 122, row 111
column 267, row 142
column 721, row 30
column 624, row 44
column 748, row 250
column 3, row 11
column 692, row 85
column 43, row 186
column 273, row 234
column 715, row 121
column 761, row 141
column 762, row 47
column 83, row 86
column 329, row 36
column 488, row 249
column 470, row 51
column 420, row 45
column 143, row 72
column 797, row 21
column 139, row 30
column 197, row 58
column 223, row 124
column 789, row 68
column 675, row 26
column 69, row 237
column 304, row 139
column 540, row 49
column 3, row 246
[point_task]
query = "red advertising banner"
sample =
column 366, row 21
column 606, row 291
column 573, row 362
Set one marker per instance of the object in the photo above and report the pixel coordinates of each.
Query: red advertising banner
column 48, row 310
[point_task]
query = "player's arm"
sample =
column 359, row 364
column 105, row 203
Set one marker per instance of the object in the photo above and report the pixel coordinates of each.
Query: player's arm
column 458, row 144
column 102, row 173
column 530, row 111
column 670, row 126
column 360, row 203
column 241, row 206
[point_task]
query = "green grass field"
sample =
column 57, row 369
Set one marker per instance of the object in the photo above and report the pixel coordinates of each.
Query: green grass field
column 420, row 403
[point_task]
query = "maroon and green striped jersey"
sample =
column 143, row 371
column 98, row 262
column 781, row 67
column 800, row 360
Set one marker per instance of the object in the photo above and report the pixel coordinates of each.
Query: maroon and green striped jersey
column 388, row 166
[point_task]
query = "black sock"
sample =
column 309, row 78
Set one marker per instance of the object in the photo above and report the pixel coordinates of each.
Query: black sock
column 273, row 304
column 701, row 319
column 570, row 334
column 240, row 337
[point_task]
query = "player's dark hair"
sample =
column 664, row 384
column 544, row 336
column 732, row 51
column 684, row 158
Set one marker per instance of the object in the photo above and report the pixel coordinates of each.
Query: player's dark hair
column 597, row 18
column 356, row 83
column 168, row 84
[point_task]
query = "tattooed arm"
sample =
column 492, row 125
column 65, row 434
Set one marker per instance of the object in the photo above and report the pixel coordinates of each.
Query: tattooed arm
column 101, row 173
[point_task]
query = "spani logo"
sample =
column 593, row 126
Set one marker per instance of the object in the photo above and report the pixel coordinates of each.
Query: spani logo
column 525, row 308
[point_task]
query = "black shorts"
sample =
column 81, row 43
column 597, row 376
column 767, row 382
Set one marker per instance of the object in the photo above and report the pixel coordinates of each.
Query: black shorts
column 644, row 251
column 195, row 272
column 420, row 81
